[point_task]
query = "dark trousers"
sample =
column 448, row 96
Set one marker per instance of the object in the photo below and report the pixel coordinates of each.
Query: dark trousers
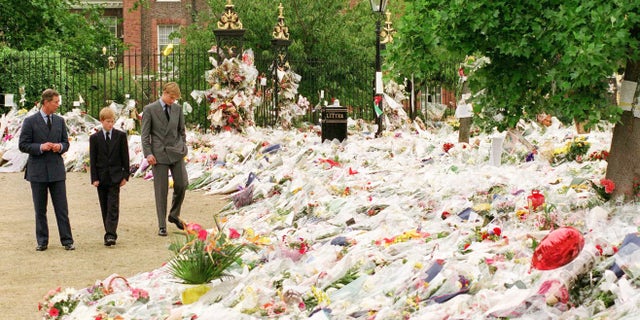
column 161, row 189
column 58, row 192
column 109, row 197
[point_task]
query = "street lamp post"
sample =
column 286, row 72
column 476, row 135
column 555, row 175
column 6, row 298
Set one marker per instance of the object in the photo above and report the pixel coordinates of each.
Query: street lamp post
column 378, row 7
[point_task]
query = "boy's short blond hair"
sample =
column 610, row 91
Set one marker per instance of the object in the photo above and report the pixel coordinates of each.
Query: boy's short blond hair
column 107, row 113
column 171, row 88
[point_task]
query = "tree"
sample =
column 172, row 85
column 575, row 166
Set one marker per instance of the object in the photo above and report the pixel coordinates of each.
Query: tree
column 29, row 25
column 623, row 167
column 546, row 56
column 335, row 31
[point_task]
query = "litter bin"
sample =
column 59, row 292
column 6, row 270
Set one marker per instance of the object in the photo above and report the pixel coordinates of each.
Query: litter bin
column 334, row 123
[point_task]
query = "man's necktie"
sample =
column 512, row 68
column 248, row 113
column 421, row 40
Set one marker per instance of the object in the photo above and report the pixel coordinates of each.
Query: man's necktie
column 167, row 109
column 49, row 121
column 108, row 138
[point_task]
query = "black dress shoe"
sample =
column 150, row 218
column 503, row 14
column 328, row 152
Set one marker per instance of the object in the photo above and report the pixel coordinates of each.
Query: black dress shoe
column 69, row 247
column 179, row 223
column 41, row 247
column 162, row 232
column 110, row 242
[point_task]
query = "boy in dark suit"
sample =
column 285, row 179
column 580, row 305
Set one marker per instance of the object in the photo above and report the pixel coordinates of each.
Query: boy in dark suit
column 44, row 137
column 109, row 162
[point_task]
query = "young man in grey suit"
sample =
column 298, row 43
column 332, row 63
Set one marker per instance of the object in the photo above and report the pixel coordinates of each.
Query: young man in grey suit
column 44, row 137
column 164, row 144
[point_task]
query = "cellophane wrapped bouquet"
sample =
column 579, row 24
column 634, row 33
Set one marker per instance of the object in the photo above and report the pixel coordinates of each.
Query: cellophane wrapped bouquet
column 232, row 95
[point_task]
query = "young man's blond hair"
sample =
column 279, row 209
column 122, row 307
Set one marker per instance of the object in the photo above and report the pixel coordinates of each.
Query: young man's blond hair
column 172, row 89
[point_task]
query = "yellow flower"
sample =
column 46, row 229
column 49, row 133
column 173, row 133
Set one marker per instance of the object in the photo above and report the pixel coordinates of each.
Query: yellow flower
column 482, row 207
column 521, row 213
column 256, row 239
column 321, row 296
column 167, row 51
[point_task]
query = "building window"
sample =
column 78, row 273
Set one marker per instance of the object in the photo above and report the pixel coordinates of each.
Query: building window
column 112, row 25
column 166, row 36
column 168, row 41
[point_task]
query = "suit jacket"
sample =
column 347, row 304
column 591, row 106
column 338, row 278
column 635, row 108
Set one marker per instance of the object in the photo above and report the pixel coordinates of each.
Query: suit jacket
column 166, row 140
column 109, row 162
column 43, row 166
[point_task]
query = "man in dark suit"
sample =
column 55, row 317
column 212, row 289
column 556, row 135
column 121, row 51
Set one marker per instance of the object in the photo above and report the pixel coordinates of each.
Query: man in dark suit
column 164, row 144
column 44, row 137
column 109, row 163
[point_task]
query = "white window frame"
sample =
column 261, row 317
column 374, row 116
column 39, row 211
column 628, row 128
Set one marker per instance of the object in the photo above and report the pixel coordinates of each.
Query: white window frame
column 163, row 36
column 163, row 32
column 111, row 23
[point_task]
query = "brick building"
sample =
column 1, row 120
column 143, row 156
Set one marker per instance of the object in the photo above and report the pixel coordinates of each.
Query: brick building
column 145, row 28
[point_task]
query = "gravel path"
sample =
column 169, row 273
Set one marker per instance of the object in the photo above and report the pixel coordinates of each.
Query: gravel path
column 26, row 275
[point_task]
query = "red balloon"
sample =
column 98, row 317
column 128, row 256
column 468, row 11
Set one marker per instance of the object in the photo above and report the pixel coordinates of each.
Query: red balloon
column 557, row 248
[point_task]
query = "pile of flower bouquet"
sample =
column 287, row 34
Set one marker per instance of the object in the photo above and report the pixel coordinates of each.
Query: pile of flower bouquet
column 232, row 95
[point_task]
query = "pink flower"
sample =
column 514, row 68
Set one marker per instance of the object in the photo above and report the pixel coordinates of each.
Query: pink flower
column 139, row 294
column 599, row 248
column 53, row 312
column 194, row 227
column 233, row 233
column 608, row 185
column 303, row 248
column 202, row 235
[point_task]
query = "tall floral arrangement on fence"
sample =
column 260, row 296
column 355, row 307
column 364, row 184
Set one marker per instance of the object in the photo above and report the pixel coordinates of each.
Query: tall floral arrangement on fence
column 289, row 108
column 232, row 95
column 395, row 116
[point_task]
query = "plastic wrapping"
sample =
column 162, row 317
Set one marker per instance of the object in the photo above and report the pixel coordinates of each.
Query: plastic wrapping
column 298, row 195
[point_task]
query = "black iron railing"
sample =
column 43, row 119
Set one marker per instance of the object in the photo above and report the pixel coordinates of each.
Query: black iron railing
column 117, row 77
